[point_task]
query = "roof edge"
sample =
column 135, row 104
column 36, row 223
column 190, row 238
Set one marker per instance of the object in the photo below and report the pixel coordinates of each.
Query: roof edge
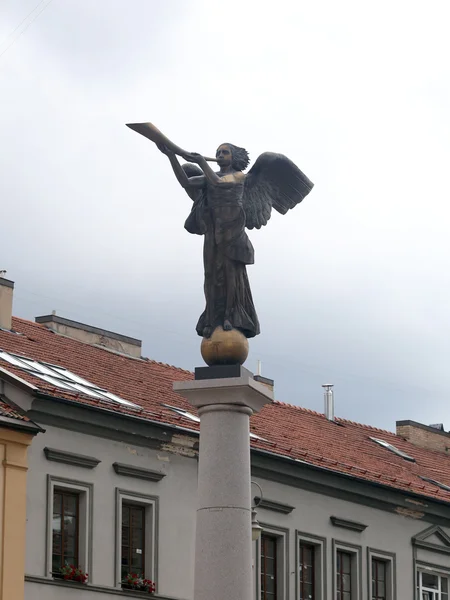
column 89, row 328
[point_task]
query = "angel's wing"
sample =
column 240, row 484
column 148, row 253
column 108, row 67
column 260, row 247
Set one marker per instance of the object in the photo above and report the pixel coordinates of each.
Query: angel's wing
column 275, row 181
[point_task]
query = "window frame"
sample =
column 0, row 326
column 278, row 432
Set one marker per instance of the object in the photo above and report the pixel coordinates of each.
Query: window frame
column 85, row 492
column 320, row 563
column 282, row 560
column 391, row 572
column 151, row 534
column 356, row 567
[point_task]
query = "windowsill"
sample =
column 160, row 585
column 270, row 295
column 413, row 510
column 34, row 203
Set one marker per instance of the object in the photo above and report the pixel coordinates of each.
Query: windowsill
column 96, row 588
column 57, row 577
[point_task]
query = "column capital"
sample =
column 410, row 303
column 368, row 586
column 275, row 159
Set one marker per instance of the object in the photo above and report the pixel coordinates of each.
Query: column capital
column 240, row 390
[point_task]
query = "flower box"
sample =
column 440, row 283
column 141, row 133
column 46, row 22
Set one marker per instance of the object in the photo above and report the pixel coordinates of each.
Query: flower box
column 136, row 583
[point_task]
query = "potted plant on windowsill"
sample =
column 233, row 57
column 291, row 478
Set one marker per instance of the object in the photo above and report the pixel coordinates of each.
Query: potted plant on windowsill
column 138, row 583
column 71, row 573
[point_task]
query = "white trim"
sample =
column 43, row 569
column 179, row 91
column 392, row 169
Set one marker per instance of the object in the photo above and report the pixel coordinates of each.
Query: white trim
column 356, row 567
column 389, row 559
column 320, row 567
column 85, row 491
column 282, row 550
column 151, row 532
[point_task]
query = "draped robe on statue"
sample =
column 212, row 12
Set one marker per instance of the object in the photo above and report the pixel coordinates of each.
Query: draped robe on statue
column 219, row 215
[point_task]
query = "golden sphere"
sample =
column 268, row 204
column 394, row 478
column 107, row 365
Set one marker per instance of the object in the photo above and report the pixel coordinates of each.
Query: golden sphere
column 224, row 348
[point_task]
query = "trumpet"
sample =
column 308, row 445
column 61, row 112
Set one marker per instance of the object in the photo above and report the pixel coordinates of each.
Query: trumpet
column 152, row 133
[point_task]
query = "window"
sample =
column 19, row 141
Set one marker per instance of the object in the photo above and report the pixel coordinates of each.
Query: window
column 136, row 535
column 343, row 575
column 393, row 449
column 133, row 539
column 347, row 580
column 307, row 571
column 311, row 564
column 432, row 586
column 61, row 378
column 381, row 567
column 65, row 524
column 271, row 560
column 69, row 530
column 379, row 579
column 268, row 567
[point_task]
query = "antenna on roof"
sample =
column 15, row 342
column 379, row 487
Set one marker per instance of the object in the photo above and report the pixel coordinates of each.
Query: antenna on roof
column 328, row 401
column 3, row 273
column 258, row 368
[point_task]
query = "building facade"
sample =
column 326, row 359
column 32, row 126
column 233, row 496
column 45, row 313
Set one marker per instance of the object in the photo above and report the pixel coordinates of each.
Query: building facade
column 348, row 512
column 16, row 435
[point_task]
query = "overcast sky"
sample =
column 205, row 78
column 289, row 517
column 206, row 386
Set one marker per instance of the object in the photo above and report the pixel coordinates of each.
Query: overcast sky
column 351, row 287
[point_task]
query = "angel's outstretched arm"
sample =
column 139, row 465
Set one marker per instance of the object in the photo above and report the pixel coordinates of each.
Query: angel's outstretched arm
column 183, row 179
column 204, row 166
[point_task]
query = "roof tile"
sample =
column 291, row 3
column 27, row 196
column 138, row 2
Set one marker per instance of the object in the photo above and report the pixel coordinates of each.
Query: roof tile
column 288, row 430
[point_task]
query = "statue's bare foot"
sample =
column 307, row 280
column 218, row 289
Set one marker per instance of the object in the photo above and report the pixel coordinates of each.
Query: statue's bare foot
column 207, row 332
column 227, row 326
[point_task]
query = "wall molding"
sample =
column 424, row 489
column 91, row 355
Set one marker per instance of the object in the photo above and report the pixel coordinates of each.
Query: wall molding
column 346, row 524
column 137, row 472
column 70, row 458
column 273, row 505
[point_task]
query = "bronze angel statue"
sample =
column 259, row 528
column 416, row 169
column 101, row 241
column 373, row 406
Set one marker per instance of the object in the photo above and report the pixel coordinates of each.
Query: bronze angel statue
column 225, row 203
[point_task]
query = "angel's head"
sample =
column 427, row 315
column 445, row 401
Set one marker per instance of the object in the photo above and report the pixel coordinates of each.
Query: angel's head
column 230, row 155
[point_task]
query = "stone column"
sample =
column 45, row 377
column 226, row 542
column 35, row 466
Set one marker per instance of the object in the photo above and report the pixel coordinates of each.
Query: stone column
column 223, row 551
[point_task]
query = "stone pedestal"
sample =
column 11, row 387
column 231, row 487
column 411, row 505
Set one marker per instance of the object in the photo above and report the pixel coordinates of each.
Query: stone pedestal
column 223, row 551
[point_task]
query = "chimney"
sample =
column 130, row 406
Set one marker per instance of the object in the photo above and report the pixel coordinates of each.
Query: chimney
column 6, row 301
column 431, row 437
column 95, row 336
column 328, row 401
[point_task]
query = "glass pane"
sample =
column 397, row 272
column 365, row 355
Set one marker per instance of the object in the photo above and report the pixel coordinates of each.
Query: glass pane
column 56, row 524
column 381, row 570
column 346, row 583
column 346, row 596
column 137, row 518
column 338, row 561
column 56, row 543
column 346, row 563
column 307, row 574
column 430, row 581
column 444, row 584
column 57, row 503
column 56, row 563
column 269, row 582
column 70, row 505
column 381, row 589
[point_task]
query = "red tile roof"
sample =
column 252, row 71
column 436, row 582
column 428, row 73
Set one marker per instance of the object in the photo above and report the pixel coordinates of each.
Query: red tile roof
column 291, row 431
column 8, row 411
